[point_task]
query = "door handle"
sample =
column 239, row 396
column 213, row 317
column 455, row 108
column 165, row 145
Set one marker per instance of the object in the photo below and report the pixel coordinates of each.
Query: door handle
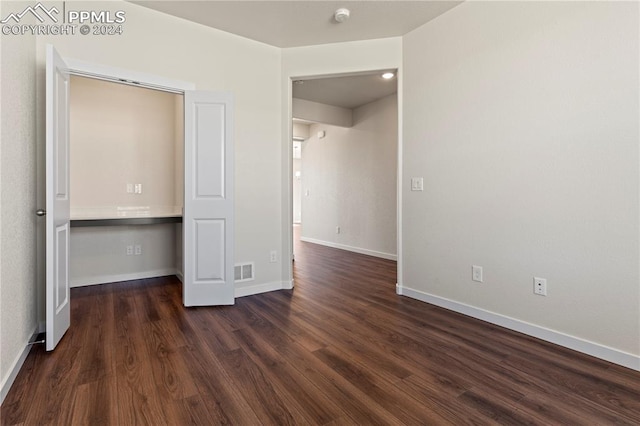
column 41, row 212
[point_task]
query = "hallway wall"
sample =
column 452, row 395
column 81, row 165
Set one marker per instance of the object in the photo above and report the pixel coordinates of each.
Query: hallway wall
column 349, row 182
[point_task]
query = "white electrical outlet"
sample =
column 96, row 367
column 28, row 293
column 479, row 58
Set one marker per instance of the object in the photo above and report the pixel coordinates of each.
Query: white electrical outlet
column 417, row 184
column 137, row 188
column 137, row 249
column 129, row 250
column 476, row 273
column 337, row 229
column 273, row 256
column 540, row 286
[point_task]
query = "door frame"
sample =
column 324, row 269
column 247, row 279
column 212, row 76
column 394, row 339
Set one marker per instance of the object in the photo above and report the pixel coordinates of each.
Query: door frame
column 124, row 76
column 288, row 160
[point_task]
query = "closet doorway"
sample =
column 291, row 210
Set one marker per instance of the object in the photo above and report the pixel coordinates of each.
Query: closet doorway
column 206, row 188
column 127, row 179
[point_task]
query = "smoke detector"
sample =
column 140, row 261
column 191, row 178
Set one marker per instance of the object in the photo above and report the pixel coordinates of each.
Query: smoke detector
column 341, row 14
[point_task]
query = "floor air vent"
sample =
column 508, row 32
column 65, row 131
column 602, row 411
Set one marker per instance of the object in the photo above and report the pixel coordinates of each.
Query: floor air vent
column 243, row 272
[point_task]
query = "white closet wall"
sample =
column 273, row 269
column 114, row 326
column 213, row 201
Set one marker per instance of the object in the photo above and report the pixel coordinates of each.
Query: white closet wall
column 98, row 254
column 123, row 136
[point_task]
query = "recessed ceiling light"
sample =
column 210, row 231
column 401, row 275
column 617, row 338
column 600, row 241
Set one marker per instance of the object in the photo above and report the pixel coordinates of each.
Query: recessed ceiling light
column 388, row 75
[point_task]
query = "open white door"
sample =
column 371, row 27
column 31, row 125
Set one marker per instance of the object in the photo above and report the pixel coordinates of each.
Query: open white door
column 208, row 277
column 57, row 189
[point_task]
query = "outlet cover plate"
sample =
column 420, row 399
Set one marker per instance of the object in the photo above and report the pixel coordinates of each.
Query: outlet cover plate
column 417, row 184
column 476, row 273
column 540, row 286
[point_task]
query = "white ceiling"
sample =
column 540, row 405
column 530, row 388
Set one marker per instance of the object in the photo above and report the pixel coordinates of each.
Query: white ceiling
column 310, row 22
column 346, row 92
column 301, row 23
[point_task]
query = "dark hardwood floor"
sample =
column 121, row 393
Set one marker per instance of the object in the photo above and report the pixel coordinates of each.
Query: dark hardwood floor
column 341, row 348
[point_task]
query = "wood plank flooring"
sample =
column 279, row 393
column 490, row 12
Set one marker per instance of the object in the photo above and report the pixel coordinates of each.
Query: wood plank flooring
column 340, row 349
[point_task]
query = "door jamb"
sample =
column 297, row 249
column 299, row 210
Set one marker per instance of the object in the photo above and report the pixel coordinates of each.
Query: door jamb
column 120, row 75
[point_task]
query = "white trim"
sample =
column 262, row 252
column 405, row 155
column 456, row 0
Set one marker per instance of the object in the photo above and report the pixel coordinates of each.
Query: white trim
column 368, row 252
column 287, row 193
column 105, row 72
column 179, row 276
column 399, row 174
column 262, row 288
column 288, row 285
column 590, row 348
column 105, row 279
column 8, row 380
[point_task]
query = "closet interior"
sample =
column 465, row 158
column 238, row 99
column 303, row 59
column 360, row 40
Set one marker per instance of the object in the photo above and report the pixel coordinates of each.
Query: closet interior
column 127, row 182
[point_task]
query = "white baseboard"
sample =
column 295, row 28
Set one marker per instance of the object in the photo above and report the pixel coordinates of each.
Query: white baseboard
column 288, row 285
column 590, row 348
column 263, row 288
column 104, row 279
column 368, row 252
column 180, row 276
column 8, row 380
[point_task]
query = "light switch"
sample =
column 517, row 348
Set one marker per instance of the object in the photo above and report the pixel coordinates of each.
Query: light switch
column 416, row 184
column 138, row 188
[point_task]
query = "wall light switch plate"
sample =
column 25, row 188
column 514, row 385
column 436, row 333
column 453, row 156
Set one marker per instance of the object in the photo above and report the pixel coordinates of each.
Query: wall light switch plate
column 417, row 184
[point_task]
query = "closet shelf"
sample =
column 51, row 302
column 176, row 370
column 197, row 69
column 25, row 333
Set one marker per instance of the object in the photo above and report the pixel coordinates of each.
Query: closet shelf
column 120, row 216
column 123, row 221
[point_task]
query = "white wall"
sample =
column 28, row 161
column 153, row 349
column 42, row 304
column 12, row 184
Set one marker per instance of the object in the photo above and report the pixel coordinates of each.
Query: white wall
column 322, row 113
column 174, row 48
column 326, row 59
column 18, row 295
column 300, row 130
column 121, row 135
column 350, row 176
column 98, row 253
column 522, row 117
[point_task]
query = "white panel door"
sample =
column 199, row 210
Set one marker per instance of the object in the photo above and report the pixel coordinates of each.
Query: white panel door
column 208, row 199
column 57, row 189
